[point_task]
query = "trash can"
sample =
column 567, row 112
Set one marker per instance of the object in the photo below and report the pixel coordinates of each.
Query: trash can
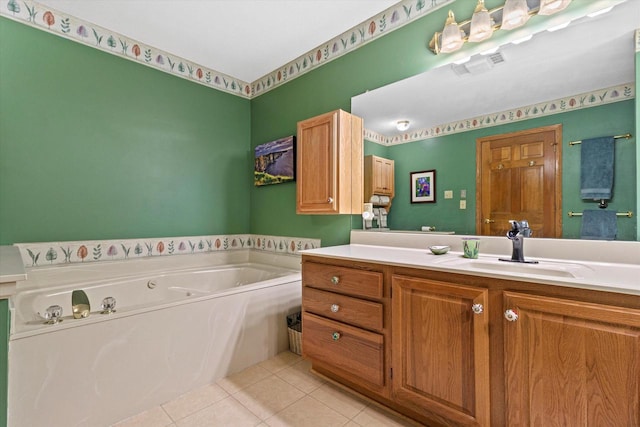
column 294, row 327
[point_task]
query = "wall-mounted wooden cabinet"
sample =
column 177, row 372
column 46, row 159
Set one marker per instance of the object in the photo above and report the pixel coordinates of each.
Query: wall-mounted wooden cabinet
column 460, row 350
column 378, row 179
column 330, row 164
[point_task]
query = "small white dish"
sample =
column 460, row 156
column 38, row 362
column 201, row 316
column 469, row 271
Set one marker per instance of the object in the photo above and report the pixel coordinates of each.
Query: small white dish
column 439, row 250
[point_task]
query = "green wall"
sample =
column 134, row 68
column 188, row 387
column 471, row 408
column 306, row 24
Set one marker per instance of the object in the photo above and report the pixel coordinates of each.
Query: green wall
column 96, row 147
column 454, row 159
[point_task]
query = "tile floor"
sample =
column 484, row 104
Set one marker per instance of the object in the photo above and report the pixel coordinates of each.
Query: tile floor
column 280, row 392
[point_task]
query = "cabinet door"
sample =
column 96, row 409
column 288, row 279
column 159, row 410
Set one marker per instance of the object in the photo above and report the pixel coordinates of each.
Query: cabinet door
column 316, row 164
column 571, row 363
column 386, row 176
column 440, row 354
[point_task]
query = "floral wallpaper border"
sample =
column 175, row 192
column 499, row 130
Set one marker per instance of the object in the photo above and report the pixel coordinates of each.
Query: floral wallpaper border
column 569, row 103
column 55, row 22
column 53, row 253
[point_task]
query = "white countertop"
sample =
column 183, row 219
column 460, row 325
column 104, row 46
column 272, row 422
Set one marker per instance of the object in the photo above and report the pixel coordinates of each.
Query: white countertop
column 602, row 276
column 11, row 270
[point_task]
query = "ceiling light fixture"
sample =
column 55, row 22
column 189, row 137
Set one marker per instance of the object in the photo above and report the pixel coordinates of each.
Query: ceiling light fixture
column 483, row 22
column 402, row 125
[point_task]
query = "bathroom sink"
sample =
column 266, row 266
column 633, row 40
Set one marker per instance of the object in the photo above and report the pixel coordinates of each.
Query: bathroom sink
column 550, row 269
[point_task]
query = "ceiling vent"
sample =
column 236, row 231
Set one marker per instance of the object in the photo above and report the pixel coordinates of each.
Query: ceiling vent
column 479, row 64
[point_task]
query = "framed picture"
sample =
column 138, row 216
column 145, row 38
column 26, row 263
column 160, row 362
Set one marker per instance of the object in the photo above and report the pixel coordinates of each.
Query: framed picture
column 274, row 162
column 423, row 187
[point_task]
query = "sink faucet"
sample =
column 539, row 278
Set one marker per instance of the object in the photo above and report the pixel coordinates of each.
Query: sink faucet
column 519, row 230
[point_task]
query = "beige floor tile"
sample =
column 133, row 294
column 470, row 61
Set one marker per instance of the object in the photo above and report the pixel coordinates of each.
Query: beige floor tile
column 372, row 416
column 227, row 412
column 280, row 361
column 343, row 402
column 194, row 401
column 268, row 396
column 299, row 376
column 307, row 412
column 236, row 382
column 154, row 417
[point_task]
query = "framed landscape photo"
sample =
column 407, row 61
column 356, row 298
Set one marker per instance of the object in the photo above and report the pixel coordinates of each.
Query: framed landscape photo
column 274, row 162
column 423, row 186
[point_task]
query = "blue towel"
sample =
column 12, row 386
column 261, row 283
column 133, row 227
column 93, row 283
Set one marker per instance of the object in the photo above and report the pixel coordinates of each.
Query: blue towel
column 599, row 225
column 596, row 168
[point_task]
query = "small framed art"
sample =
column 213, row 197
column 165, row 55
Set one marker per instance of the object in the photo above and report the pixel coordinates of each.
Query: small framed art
column 275, row 162
column 423, row 186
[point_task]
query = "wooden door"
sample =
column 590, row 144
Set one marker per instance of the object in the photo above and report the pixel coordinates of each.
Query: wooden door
column 519, row 177
column 440, row 354
column 316, row 162
column 571, row 363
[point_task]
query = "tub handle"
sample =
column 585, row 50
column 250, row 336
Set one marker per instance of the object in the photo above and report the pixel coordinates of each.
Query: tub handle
column 52, row 315
column 151, row 284
column 335, row 280
column 108, row 305
column 335, row 308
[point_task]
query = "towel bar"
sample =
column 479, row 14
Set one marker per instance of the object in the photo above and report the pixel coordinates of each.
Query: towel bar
column 625, row 136
column 628, row 214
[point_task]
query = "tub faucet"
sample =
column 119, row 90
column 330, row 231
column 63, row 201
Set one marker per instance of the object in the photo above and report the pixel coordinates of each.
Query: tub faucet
column 519, row 230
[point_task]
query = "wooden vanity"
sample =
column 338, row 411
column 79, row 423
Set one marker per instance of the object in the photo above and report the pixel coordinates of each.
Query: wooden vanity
column 456, row 349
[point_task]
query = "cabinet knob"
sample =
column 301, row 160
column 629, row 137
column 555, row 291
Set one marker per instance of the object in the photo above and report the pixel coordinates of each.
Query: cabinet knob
column 477, row 308
column 330, row 200
column 511, row 315
column 335, row 280
column 335, row 308
column 335, row 336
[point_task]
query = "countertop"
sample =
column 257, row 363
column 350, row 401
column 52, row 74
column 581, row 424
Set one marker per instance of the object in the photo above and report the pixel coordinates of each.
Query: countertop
column 11, row 270
column 602, row 276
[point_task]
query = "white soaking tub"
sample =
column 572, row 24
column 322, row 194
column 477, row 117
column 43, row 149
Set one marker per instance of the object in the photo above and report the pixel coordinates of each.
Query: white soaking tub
column 180, row 322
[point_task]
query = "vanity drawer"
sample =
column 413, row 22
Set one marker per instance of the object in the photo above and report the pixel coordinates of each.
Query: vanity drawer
column 351, row 349
column 366, row 314
column 344, row 280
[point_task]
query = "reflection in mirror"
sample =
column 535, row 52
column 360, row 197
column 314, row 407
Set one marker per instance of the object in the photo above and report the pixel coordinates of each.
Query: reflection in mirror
column 580, row 77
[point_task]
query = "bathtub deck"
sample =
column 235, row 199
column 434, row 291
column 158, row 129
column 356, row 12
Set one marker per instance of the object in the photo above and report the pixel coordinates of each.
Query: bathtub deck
column 278, row 392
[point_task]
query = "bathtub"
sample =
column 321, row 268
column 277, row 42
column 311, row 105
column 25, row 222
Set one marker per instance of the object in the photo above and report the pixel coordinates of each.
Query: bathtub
column 179, row 324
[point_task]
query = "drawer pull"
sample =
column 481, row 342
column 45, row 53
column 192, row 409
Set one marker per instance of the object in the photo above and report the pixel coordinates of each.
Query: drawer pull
column 335, row 336
column 335, row 280
column 477, row 308
column 335, row 308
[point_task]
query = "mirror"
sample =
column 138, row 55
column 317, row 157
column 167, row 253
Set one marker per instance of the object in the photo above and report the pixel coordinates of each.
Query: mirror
column 590, row 55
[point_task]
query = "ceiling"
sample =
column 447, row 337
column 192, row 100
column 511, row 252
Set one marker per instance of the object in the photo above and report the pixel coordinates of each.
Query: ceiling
column 246, row 39
column 590, row 54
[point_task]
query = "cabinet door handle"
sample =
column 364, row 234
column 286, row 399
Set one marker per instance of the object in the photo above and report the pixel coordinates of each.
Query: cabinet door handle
column 336, row 336
column 511, row 315
column 335, row 308
column 330, row 200
column 477, row 308
column 335, row 280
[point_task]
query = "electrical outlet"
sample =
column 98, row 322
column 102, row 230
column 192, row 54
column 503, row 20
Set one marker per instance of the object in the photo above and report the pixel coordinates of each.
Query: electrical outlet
column 463, row 204
column 448, row 194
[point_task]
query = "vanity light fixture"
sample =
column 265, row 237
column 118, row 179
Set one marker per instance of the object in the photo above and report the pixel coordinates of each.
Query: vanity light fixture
column 549, row 7
column 514, row 14
column 452, row 36
column 402, row 125
column 483, row 22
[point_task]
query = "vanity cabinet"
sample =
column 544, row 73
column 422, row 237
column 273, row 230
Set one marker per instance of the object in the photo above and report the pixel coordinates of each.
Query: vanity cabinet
column 345, row 331
column 451, row 349
column 571, row 363
column 440, row 354
column 330, row 164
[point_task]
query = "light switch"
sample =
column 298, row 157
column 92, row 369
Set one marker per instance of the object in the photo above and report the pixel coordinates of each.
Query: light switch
column 463, row 194
column 463, row 204
column 448, row 194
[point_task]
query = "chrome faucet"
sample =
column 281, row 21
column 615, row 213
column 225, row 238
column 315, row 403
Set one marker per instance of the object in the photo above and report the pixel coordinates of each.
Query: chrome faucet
column 519, row 230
